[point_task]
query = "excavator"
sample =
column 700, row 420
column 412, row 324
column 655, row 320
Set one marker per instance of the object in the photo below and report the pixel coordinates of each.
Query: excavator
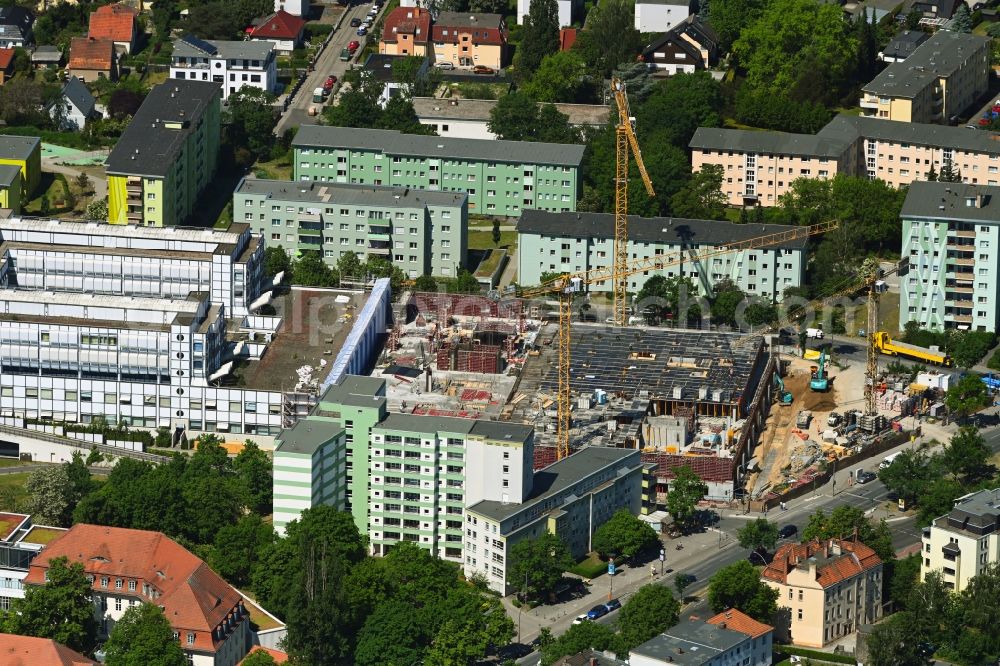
column 784, row 397
column 820, row 380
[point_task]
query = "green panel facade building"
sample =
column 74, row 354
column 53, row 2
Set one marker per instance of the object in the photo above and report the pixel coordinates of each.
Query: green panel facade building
column 500, row 177
column 421, row 232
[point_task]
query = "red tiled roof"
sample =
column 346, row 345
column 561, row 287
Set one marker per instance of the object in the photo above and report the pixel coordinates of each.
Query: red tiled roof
column 193, row 597
column 90, row 53
column 29, row 651
column 855, row 558
column 114, row 22
column 6, row 58
column 741, row 622
column 407, row 21
column 567, row 38
column 278, row 656
column 280, row 25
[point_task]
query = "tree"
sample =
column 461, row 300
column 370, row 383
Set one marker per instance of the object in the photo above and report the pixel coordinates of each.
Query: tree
column 50, row 492
column 349, row 266
column 559, row 78
column 392, row 634
column 425, row 283
column 379, row 267
column 677, row 107
column 686, row 490
column 937, row 498
column 893, row 643
column 969, row 394
column 254, row 469
column 97, row 210
column 843, row 521
column 467, row 640
column 908, row 475
column 516, row 117
column 961, row 21
column 701, row 198
column 579, row 637
column 124, row 102
column 143, row 636
column 259, row 658
column 252, row 119
column 681, row 582
column 726, row 303
column 739, row 586
column 464, row 283
column 624, row 535
column 238, row 547
column 539, row 36
column 649, row 612
column 540, row 562
column 729, row 17
column 20, row 101
column 311, row 269
column 488, row 6
column 760, row 534
column 318, row 621
column 966, row 453
column 495, row 234
column 610, row 39
column 62, row 609
column 276, row 261
column 83, row 183
column 760, row 311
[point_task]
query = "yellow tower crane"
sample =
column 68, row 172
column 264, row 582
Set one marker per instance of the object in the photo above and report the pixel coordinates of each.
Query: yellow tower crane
column 624, row 140
column 566, row 285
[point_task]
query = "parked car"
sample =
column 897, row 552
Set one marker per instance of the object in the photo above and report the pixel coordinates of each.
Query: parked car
column 355, row 22
column 614, row 604
column 345, row 54
column 444, row 65
column 787, row 531
column 597, row 612
column 362, row 31
column 580, row 619
column 354, row 46
column 863, row 477
column 483, row 69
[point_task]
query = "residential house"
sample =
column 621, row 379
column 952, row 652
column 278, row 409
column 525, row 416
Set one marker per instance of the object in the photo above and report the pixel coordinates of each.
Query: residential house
column 281, row 29
column 74, row 106
column 92, row 59
column 467, row 40
column 30, row 651
column 25, row 153
column 379, row 66
column 166, row 156
column 690, row 46
column 660, row 15
column 298, row 8
column 128, row 567
column 962, row 543
column 406, row 31
column 935, row 13
column 115, row 22
column 6, row 64
column 10, row 188
column 233, row 64
column 47, row 57
column 470, row 118
column 903, row 45
column 15, row 27
column 569, row 11
column 500, row 177
column 941, row 78
column 575, row 242
column 827, row 589
column 730, row 638
column 950, row 235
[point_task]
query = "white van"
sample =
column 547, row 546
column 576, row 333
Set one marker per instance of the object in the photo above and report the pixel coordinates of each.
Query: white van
column 814, row 333
column 889, row 459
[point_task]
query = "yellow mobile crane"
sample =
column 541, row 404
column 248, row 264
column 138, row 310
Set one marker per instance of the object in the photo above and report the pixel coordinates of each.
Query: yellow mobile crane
column 624, row 139
column 570, row 283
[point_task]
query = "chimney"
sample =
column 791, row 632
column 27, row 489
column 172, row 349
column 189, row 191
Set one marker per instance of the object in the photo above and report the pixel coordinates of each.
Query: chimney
column 722, row 625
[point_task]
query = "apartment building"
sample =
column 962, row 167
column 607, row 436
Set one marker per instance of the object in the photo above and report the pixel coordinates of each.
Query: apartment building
column 421, row 232
column 730, row 638
column 951, row 232
column 309, row 467
column 128, row 567
column 25, row 153
column 499, row 177
column 574, row 242
column 166, row 156
column 467, row 40
column 961, row 544
column 941, row 78
column 569, row 10
column 20, row 541
column 759, row 167
column 570, row 498
column 829, row 588
column 655, row 16
column 470, row 118
column 229, row 63
column 406, row 31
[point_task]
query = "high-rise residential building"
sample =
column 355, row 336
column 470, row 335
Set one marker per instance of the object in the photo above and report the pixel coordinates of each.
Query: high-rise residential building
column 420, row 231
column 575, row 242
column 309, row 469
column 962, row 543
column 166, row 156
column 951, row 232
column 939, row 80
column 500, row 177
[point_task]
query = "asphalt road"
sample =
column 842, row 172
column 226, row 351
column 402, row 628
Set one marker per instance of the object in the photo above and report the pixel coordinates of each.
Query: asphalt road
column 328, row 63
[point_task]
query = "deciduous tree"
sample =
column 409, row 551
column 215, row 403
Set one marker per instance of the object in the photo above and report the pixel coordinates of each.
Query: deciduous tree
column 559, row 78
column 50, row 493
column 238, row 547
column 610, row 39
column 62, row 609
column 649, row 612
column 539, row 37
column 686, row 490
column 701, row 198
column 739, row 586
column 254, row 470
column 760, row 534
column 969, row 394
column 966, row 453
column 143, row 637
column 624, row 535
column 540, row 562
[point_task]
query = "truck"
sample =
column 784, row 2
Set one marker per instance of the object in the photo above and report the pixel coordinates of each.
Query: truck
column 884, row 344
column 888, row 460
column 803, row 419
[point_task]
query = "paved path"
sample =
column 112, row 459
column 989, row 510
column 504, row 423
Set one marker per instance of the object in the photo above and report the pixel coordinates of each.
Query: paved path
column 99, row 184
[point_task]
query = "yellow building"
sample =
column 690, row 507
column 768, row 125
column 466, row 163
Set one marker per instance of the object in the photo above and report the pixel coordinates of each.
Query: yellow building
column 10, row 188
column 24, row 152
column 167, row 155
column 825, row 588
column 467, row 40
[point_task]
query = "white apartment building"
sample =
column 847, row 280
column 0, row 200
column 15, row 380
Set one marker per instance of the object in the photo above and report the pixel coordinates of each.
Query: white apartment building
column 20, row 542
column 231, row 63
column 730, row 638
column 962, row 543
column 568, row 10
column 951, row 232
column 294, row 7
column 660, row 15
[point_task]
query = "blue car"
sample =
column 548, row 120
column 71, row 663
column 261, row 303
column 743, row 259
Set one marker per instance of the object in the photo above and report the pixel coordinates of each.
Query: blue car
column 362, row 32
column 597, row 611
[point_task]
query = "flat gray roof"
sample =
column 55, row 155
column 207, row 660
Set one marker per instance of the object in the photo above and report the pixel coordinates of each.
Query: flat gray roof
column 479, row 109
column 17, row 147
column 393, row 142
column 848, row 128
column 357, row 391
column 230, row 50
column 949, row 201
column 362, row 195
column 306, row 436
column 939, row 56
column 492, row 430
column 8, row 173
column 751, row 141
column 648, row 229
column 557, row 477
column 690, row 643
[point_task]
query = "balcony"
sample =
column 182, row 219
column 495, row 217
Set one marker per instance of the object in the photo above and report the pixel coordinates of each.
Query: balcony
column 961, row 319
column 958, row 303
column 869, row 102
column 309, row 217
column 961, row 261
column 961, row 233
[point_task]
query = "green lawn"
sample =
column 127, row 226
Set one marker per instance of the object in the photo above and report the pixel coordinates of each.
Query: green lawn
column 591, row 566
column 483, row 240
column 53, row 197
column 489, row 264
column 12, row 493
column 279, row 169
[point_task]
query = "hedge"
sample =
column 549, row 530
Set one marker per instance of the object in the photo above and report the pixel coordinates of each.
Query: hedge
column 67, row 139
column 816, row 654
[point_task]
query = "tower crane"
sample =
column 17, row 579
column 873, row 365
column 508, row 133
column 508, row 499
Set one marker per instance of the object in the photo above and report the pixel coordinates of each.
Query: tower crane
column 568, row 284
column 624, row 141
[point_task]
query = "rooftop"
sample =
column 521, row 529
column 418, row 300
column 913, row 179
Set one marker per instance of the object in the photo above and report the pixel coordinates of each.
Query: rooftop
column 393, row 142
column 278, row 656
column 76, row 92
column 279, row 25
column 734, row 619
column 977, row 512
column 940, row 56
column 356, row 390
column 101, row 233
column 18, row 147
column 494, row 431
column 479, row 109
column 334, row 193
column 47, row 53
column 469, row 20
column 557, row 477
column 10, row 523
column 30, row 651
column 6, row 58
column 380, row 66
column 41, row 535
column 414, row 21
column 114, row 22
column 91, row 53
column 191, row 47
column 835, row 560
column 849, row 128
column 148, row 147
column 307, row 436
column 751, row 141
column 952, row 201
column 690, row 643
column 692, row 233
column 8, row 174
column 904, row 44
